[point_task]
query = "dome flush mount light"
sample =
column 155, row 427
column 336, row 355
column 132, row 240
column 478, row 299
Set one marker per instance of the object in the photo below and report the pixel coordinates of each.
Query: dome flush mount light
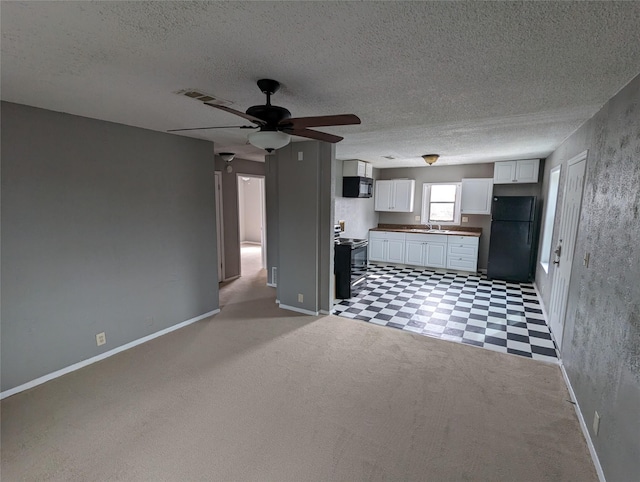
column 227, row 157
column 430, row 158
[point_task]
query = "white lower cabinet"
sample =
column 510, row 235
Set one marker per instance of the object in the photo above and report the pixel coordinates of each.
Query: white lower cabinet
column 462, row 253
column 425, row 250
column 386, row 246
column 429, row 250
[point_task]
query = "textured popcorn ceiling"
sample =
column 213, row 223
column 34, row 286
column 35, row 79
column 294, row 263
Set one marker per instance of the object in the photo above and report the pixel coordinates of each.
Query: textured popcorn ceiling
column 472, row 81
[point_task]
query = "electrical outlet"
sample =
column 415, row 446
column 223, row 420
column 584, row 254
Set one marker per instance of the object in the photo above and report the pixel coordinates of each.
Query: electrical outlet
column 416, row 218
column 300, row 155
column 101, row 339
column 596, row 423
column 300, row 298
column 465, row 219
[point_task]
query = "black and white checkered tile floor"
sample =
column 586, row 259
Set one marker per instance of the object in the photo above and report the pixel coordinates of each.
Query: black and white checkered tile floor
column 466, row 308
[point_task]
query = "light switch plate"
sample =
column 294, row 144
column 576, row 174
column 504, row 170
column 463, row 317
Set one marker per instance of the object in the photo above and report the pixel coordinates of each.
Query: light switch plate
column 465, row 219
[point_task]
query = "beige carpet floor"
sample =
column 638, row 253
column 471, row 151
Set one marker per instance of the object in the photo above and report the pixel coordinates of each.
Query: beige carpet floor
column 261, row 394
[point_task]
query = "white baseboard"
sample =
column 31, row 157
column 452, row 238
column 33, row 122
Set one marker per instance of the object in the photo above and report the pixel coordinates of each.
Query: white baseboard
column 576, row 406
column 102, row 356
column 272, row 285
column 231, row 278
column 583, row 426
column 325, row 312
column 298, row 310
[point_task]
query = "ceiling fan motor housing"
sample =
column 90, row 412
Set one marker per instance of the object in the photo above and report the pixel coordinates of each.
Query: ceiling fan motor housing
column 271, row 114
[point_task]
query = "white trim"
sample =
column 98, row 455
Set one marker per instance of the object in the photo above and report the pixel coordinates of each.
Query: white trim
column 583, row 425
column 219, row 221
column 582, row 156
column 325, row 312
column 102, row 356
column 426, row 202
column 231, row 278
column 272, row 285
column 298, row 310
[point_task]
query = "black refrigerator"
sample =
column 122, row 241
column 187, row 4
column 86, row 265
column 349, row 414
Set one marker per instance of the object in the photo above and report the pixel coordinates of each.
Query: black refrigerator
column 513, row 238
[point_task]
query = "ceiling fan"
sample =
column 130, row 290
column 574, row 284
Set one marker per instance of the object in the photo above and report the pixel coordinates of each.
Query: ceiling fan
column 275, row 124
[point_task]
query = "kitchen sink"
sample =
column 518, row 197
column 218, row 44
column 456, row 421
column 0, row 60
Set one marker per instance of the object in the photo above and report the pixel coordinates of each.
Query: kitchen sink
column 430, row 231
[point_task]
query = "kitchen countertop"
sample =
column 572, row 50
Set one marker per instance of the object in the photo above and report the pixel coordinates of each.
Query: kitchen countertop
column 419, row 229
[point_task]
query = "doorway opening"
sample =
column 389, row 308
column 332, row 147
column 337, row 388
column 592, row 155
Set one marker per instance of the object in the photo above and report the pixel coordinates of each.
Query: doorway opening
column 251, row 223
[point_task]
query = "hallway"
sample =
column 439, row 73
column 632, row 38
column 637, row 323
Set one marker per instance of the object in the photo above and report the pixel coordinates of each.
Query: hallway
column 252, row 283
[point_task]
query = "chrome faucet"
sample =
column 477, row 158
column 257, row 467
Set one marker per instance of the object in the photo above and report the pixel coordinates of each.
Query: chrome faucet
column 430, row 225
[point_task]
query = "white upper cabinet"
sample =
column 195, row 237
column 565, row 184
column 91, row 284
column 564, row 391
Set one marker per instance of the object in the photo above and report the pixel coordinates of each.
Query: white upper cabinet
column 368, row 170
column 382, row 195
column 476, row 196
column 395, row 195
column 508, row 172
column 357, row 168
column 527, row 170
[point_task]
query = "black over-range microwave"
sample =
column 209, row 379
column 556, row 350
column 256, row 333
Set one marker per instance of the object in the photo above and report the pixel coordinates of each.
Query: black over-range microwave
column 355, row 186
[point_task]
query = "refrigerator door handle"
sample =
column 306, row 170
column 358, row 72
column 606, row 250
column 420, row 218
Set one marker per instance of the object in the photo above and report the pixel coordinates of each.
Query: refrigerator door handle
column 529, row 233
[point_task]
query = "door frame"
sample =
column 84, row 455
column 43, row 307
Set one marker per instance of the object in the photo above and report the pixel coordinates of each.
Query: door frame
column 219, row 224
column 263, row 216
column 562, row 303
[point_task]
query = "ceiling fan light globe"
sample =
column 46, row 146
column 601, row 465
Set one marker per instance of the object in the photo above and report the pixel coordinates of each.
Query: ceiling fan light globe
column 269, row 140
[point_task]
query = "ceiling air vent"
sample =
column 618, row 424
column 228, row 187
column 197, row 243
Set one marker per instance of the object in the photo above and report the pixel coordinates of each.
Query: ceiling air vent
column 389, row 157
column 197, row 94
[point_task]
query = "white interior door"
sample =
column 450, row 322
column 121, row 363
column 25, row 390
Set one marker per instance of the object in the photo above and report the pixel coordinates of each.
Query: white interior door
column 568, row 229
column 219, row 224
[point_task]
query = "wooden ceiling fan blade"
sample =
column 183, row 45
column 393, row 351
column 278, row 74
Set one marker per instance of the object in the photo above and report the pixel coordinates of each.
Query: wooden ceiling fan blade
column 320, row 121
column 251, row 118
column 317, row 135
column 214, row 127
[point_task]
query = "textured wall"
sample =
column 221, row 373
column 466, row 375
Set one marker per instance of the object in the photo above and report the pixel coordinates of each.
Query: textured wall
column 601, row 348
column 105, row 227
column 230, row 208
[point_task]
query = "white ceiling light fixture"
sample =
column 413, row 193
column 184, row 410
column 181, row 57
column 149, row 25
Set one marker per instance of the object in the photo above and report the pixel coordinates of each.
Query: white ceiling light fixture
column 430, row 158
column 269, row 140
column 227, row 157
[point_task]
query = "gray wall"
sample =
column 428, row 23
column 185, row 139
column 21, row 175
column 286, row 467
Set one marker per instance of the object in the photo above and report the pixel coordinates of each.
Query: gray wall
column 358, row 213
column 104, row 228
column 230, row 210
column 300, row 204
column 437, row 173
column 601, row 347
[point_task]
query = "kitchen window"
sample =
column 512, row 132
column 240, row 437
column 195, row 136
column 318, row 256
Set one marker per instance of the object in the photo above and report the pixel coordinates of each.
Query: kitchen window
column 441, row 203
